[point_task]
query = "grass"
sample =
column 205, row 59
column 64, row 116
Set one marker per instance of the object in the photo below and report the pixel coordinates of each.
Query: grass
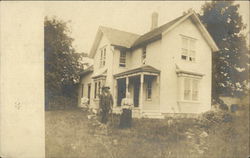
column 70, row 134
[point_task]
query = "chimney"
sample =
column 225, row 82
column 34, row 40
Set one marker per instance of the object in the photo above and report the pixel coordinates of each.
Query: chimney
column 154, row 23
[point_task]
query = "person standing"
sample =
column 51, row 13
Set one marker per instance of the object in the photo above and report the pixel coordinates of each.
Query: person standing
column 106, row 104
column 126, row 116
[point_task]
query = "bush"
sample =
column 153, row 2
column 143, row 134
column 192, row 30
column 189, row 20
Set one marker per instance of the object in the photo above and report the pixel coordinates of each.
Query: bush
column 211, row 118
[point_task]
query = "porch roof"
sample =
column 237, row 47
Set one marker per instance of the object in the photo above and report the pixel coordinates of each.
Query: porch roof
column 144, row 68
column 86, row 71
column 100, row 74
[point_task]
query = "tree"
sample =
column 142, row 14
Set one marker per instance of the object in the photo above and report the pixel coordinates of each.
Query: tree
column 62, row 64
column 230, row 63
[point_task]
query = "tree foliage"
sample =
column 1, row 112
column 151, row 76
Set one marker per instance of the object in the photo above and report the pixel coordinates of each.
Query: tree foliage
column 230, row 63
column 62, row 64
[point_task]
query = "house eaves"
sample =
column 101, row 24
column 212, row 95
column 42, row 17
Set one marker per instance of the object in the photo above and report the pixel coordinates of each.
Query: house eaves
column 122, row 39
column 195, row 19
column 115, row 37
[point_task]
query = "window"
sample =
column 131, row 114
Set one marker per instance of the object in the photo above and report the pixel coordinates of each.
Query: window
column 188, row 49
column 149, row 89
column 95, row 90
column 195, row 90
column 99, row 87
column 191, row 89
column 122, row 62
column 144, row 54
column 102, row 57
column 82, row 89
column 187, row 90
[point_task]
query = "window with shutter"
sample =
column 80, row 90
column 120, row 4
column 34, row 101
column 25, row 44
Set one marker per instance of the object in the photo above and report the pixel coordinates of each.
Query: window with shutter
column 122, row 62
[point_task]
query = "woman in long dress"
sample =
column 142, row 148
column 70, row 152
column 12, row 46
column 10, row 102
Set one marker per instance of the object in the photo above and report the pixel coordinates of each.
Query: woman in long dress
column 126, row 116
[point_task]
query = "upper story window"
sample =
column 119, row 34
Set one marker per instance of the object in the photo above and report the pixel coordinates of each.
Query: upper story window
column 102, row 56
column 144, row 55
column 122, row 61
column 188, row 49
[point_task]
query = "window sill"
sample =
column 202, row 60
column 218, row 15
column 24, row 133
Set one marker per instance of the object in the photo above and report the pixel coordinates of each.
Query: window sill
column 188, row 61
column 189, row 101
column 148, row 99
column 122, row 67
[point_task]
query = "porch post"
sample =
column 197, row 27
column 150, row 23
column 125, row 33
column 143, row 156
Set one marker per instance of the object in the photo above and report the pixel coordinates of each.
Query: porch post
column 141, row 92
column 127, row 82
column 115, row 93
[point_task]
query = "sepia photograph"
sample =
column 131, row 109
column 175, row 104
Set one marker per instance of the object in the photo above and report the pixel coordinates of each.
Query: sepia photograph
column 139, row 79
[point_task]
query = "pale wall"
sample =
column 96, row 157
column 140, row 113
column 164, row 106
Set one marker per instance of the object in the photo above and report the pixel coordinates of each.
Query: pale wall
column 97, row 69
column 154, row 54
column 171, row 46
column 135, row 58
column 86, row 79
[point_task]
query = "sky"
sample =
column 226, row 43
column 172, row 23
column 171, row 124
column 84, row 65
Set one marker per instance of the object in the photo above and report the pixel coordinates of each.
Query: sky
column 133, row 16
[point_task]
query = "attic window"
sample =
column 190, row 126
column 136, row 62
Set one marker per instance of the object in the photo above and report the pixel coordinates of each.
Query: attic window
column 102, row 56
column 188, row 49
column 122, row 62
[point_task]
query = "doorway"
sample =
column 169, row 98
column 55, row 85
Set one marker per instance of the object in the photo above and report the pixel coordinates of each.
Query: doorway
column 136, row 84
column 121, row 88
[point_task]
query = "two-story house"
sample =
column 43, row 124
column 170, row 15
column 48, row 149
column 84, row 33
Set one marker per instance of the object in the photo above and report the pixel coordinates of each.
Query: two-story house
column 166, row 70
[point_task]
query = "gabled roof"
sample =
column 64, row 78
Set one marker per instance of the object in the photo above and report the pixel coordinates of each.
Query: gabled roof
column 155, row 33
column 143, row 68
column 131, row 40
column 115, row 37
column 118, row 37
column 158, row 32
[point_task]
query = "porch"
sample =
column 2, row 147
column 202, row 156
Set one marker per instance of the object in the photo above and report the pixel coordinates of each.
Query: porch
column 143, row 85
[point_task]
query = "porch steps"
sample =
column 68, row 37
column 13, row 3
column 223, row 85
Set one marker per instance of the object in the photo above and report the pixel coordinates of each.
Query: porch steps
column 136, row 113
column 152, row 114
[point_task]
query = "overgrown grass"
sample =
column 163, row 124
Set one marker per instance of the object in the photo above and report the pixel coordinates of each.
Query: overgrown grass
column 213, row 135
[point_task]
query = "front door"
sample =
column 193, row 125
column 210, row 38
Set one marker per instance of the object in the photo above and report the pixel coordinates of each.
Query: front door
column 121, row 84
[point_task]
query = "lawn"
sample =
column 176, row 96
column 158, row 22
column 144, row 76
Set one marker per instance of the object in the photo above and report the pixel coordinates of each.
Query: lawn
column 70, row 133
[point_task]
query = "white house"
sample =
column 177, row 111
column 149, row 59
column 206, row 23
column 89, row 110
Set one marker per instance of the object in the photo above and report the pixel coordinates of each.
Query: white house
column 166, row 70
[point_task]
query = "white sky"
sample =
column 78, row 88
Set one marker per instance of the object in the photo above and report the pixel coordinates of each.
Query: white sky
column 131, row 16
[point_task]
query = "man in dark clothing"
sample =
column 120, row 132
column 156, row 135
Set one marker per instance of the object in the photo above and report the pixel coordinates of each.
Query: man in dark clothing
column 106, row 104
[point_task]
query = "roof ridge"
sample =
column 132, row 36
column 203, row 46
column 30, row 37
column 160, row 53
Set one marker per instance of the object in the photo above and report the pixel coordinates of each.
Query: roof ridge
column 101, row 26
column 152, row 33
column 175, row 19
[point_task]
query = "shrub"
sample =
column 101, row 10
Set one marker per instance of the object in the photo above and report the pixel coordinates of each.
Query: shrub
column 215, row 117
